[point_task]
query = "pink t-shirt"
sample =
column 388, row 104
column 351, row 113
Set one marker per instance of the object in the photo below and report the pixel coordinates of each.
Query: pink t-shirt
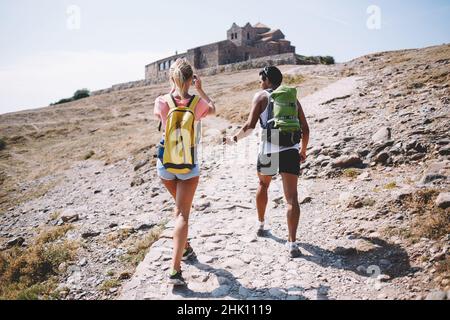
column 162, row 109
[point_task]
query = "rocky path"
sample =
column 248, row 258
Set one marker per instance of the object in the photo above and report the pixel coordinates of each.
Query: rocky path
column 233, row 263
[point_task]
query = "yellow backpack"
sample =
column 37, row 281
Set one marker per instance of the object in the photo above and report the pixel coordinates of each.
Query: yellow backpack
column 179, row 144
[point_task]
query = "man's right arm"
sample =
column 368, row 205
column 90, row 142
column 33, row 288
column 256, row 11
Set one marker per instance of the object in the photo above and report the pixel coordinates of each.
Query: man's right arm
column 257, row 103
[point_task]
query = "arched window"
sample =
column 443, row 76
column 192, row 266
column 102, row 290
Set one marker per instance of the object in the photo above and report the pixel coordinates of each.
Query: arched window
column 167, row 65
column 248, row 35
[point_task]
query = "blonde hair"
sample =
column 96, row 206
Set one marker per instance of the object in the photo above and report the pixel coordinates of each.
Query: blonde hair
column 180, row 73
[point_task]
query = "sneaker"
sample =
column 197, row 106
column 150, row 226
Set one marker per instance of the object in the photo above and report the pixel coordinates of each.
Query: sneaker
column 260, row 231
column 188, row 253
column 177, row 279
column 294, row 250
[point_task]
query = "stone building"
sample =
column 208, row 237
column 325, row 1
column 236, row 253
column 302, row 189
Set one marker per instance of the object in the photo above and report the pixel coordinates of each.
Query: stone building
column 242, row 44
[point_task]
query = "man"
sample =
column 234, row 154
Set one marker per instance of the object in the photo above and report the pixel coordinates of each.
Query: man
column 273, row 158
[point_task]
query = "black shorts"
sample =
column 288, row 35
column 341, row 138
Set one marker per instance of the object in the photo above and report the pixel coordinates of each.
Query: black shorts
column 284, row 162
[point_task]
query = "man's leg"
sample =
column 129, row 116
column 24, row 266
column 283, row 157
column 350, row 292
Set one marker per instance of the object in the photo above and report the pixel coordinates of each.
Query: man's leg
column 293, row 208
column 262, row 196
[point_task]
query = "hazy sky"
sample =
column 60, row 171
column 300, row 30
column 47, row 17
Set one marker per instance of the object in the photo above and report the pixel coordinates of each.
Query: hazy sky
column 47, row 52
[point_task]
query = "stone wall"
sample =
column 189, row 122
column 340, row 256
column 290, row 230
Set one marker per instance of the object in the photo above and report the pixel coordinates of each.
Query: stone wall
column 160, row 68
column 281, row 59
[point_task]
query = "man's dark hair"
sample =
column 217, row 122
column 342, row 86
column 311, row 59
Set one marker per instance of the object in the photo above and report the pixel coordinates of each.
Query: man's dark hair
column 273, row 74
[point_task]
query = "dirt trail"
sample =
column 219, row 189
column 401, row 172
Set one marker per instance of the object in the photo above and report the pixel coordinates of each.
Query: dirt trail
column 232, row 263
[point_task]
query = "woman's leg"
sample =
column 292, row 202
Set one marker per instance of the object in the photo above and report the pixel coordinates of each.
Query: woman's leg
column 184, row 196
column 171, row 186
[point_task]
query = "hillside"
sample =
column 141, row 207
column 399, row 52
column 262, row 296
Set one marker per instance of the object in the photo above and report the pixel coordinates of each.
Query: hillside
column 80, row 176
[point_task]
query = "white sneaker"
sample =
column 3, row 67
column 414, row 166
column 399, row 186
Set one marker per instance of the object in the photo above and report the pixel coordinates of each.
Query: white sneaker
column 294, row 250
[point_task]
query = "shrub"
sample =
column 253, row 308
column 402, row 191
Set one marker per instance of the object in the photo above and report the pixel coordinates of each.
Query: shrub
column 351, row 173
column 80, row 94
column 89, row 155
column 390, row 186
column 327, row 60
column 293, row 79
column 28, row 273
column 2, row 144
column 426, row 220
column 64, row 101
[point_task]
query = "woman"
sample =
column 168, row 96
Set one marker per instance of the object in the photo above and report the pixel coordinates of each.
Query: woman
column 182, row 187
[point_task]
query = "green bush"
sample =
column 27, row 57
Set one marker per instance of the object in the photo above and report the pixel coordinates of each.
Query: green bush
column 316, row 59
column 79, row 94
column 2, row 144
column 327, row 60
column 64, row 101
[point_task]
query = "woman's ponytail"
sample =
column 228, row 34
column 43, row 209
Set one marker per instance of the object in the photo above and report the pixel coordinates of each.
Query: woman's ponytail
column 180, row 73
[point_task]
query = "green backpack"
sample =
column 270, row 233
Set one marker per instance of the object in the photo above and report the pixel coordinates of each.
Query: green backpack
column 283, row 116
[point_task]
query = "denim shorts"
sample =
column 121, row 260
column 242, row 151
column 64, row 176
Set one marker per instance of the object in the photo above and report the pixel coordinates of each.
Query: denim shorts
column 166, row 175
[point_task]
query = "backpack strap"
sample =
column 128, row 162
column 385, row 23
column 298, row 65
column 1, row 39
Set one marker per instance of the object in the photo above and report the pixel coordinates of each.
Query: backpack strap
column 193, row 103
column 170, row 101
column 270, row 118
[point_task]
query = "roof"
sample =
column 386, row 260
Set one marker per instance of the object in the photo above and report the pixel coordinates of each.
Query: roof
column 260, row 25
column 269, row 33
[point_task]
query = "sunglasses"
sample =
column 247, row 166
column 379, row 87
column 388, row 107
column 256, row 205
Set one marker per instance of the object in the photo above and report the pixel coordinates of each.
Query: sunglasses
column 264, row 74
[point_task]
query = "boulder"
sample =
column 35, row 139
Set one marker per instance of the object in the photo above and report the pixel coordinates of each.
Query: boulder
column 444, row 151
column 90, row 234
column 69, row 218
column 431, row 177
column 140, row 164
column 382, row 135
column 18, row 241
column 382, row 158
column 437, row 295
column 349, row 161
column 202, row 206
column 443, row 200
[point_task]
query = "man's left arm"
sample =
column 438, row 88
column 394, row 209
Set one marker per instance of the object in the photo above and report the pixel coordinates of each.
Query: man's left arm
column 305, row 132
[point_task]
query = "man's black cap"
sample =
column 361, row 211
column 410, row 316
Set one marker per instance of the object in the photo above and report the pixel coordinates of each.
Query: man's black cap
column 273, row 74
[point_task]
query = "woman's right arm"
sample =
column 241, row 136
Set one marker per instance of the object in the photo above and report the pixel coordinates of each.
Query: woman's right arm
column 204, row 96
column 157, row 109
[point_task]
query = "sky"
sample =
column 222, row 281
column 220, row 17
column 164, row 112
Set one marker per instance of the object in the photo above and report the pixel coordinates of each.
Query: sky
column 51, row 48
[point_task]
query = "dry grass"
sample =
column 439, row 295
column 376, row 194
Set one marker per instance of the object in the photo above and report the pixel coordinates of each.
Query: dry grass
column 31, row 273
column 427, row 220
column 443, row 268
column 391, row 186
column 351, row 173
column 109, row 284
column 11, row 196
column 138, row 251
column 292, row 80
column 89, row 155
